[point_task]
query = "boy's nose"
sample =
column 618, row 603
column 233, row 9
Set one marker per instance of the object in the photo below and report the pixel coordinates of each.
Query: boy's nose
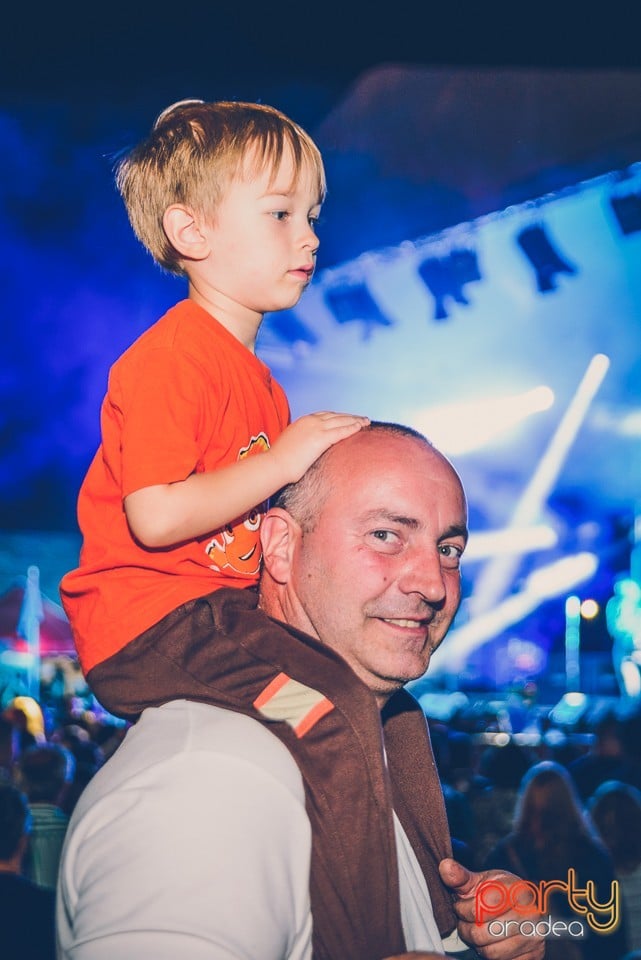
column 310, row 238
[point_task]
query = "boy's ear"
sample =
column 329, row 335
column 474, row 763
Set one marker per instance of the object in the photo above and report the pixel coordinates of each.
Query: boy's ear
column 279, row 535
column 184, row 233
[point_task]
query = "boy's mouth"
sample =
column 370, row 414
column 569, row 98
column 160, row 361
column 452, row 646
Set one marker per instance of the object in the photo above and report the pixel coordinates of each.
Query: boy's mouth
column 303, row 273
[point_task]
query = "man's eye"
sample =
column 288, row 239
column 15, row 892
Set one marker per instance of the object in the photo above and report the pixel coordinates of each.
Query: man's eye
column 384, row 536
column 451, row 553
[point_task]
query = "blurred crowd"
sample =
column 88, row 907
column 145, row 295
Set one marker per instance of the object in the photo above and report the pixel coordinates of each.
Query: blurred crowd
column 46, row 759
column 538, row 803
column 547, row 801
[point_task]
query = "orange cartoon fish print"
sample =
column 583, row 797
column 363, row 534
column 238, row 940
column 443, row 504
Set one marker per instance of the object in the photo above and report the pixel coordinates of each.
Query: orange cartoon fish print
column 237, row 546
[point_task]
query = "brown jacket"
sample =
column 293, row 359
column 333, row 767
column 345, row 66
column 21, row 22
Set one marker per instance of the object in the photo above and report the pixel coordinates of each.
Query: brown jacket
column 221, row 649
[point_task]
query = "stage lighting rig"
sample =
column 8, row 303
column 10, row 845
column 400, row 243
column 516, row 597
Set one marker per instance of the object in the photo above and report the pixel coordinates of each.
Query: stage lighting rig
column 546, row 260
column 446, row 276
column 353, row 302
column 627, row 210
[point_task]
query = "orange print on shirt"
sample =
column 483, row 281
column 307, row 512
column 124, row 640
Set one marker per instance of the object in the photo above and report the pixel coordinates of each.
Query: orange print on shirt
column 237, row 546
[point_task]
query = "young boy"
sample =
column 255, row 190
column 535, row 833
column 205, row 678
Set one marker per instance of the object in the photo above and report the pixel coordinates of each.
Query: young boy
column 195, row 433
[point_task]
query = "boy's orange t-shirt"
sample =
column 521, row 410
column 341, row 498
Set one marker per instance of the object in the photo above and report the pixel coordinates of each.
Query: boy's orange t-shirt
column 186, row 397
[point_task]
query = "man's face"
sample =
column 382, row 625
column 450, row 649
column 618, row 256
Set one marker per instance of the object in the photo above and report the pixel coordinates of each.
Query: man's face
column 377, row 579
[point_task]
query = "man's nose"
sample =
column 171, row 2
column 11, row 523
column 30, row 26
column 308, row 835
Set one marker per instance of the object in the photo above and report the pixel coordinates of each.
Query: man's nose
column 423, row 574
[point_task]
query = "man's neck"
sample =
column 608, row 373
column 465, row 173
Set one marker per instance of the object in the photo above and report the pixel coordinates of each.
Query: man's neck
column 273, row 601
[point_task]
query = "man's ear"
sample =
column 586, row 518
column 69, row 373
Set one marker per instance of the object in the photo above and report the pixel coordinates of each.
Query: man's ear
column 184, row 233
column 279, row 535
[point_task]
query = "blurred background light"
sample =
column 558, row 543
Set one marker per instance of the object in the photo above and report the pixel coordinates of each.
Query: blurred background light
column 463, row 427
column 589, row 609
column 552, row 580
column 495, row 578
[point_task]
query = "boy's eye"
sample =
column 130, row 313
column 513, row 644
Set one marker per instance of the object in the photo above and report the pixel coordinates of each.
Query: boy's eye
column 280, row 214
column 313, row 222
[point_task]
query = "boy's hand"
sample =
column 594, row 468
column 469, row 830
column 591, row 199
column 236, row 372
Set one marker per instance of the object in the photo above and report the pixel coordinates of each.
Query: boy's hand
column 303, row 441
column 168, row 513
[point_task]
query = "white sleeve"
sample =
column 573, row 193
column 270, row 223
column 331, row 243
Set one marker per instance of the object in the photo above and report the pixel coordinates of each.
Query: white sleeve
column 204, row 855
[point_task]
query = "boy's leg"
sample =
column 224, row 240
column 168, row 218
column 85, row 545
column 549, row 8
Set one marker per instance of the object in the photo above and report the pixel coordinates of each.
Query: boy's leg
column 155, row 667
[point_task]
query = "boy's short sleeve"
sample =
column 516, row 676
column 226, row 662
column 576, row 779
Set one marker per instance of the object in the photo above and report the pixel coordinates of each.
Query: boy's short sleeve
column 162, row 411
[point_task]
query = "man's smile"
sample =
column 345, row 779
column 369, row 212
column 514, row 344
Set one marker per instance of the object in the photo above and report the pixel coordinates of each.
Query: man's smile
column 403, row 622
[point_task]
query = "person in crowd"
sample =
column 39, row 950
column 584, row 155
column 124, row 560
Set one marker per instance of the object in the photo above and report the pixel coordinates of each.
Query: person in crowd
column 6, row 747
column 615, row 809
column 26, row 910
column 552, row 836
column 606, row 759
column 86, row 757
column 27, row 731
column 454, row 783
column 631, row 739
column 42, row 773
column 492, row 803
column 195, row 432
column 293, row 807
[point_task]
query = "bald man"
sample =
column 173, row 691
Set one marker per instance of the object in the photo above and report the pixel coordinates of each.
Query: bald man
column 292, row 808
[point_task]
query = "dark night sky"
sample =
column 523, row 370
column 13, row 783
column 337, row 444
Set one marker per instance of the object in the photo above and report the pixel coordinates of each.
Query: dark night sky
column 88, row 52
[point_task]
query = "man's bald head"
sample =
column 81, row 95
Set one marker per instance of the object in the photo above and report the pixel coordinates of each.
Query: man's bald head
column 305, row 499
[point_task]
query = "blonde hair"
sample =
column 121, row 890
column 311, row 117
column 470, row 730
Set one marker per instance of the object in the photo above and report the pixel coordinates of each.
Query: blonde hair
column 194, row 150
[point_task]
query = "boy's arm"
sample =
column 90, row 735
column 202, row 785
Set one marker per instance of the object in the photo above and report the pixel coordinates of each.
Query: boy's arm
column 169, row 513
